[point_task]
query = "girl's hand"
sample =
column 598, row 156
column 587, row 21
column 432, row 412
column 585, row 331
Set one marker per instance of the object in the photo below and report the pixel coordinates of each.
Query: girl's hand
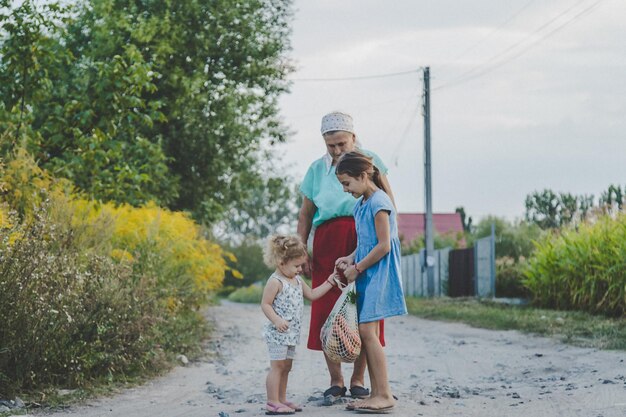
column 343, row 262
column 351, row 273
column 281, row 325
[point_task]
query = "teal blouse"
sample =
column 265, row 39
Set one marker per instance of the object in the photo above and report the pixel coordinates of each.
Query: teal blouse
column 321, row 186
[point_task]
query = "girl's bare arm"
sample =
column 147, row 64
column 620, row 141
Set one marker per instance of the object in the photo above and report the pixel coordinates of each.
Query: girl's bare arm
column 319, row 291
column 382, row 248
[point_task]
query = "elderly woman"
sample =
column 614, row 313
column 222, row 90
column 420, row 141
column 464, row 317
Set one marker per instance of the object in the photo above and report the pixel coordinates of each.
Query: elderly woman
column 328, row 209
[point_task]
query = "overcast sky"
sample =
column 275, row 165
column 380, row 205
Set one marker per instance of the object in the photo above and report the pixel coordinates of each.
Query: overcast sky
column 526, row 95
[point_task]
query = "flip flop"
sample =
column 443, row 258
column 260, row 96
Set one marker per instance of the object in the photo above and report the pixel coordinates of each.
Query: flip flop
column 358, row 391
column 351, row 406
column 296, row 407
column 274, row 409
column 368, row 410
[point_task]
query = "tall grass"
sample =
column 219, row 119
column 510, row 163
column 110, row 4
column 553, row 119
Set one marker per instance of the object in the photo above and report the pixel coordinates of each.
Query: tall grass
column 582, row 268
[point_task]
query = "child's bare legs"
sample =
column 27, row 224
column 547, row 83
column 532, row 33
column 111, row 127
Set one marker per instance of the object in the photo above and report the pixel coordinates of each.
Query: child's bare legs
column 276, row 381
column 381, row 396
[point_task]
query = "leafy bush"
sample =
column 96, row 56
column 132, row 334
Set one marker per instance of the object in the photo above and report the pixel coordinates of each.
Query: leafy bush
column 69, row 315
column 249, row 263
column 513, row 239
column 92, row 291
column 510, row 277
column 250, row 294
column 449, row 240
column 582, row 268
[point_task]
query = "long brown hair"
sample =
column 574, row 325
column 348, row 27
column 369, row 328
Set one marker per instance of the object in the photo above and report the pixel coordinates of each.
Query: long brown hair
column 355, row 163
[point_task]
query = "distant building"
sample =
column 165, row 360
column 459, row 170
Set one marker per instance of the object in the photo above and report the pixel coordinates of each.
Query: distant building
column 411, row 225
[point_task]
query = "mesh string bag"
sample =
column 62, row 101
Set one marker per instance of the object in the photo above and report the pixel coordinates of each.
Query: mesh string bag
column 340, row 333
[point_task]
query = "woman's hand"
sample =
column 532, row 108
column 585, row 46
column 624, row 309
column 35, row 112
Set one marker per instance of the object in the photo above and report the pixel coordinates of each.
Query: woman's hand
column 307, row 270
column 344, row 262
column 351, row 273
column 281, row 325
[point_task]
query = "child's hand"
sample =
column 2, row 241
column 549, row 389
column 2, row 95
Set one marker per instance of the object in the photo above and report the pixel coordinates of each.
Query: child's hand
column 281, row 325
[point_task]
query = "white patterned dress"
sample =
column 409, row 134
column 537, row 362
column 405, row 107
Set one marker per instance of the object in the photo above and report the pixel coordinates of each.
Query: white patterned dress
column 288, row 304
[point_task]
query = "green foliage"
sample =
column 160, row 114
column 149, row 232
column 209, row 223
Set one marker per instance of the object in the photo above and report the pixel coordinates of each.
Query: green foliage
column 582, row 268
column 270, row 207
column 68, row 315
column 513, row 239
column 467, row 221
column 172, row 102
column 510, row 278
column 96, row 291
column 613, row 199
column 249, row 264
column 454, row 241
column 96, row 137
column 250, row 294
column 220, row 71
column 27, row 56
column 550, row 210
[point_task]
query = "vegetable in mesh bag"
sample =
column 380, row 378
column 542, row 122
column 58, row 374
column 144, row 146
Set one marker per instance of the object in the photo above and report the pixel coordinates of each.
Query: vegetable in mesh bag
column 340, row 334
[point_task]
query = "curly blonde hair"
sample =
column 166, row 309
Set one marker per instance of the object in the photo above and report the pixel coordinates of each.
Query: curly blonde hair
column 283, row 248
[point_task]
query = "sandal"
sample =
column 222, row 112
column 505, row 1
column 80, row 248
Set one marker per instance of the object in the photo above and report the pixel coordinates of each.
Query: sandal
column 278, row 409
column 332, row 394
column 296, row 407
column 358, row 391
column 369, row 410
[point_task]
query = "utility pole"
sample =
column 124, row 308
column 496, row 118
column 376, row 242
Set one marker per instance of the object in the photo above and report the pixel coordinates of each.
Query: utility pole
column 428, row 232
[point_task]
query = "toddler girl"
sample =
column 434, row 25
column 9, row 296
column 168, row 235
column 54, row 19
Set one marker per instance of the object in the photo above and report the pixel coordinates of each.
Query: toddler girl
column 282, row 303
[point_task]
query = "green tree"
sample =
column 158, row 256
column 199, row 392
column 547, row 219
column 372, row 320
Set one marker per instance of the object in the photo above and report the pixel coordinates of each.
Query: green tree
column 28, row 53
column 465, row 220
column 81, row 119
column 550, row 210
column 613, row 199
column 136, row 100
column 249, row 254
column 220, row 68
column 513, row 239
column 270, row 209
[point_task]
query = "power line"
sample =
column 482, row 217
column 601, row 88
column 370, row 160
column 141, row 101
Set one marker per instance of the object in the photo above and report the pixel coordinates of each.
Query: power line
column 483, row 69
column 364, row 77
column 495, row 30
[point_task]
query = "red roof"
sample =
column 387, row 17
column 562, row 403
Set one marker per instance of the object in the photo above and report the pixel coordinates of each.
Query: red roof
column 411, row 225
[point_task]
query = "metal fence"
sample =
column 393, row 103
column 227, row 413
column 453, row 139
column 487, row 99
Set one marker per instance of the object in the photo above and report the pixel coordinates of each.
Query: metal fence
column 481, row 276
column 485, row 267
column 414, row 276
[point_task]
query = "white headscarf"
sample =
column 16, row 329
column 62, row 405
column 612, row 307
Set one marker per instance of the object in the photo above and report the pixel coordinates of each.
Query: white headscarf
column 337, row 121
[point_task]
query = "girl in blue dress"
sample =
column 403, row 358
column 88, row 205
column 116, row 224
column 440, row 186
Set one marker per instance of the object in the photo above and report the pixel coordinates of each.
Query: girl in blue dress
column 375, row 266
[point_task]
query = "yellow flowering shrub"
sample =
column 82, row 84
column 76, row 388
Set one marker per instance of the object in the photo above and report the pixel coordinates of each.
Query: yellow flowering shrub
column 175, row 236
column 4, row 217
column 92, row 289
column 24, row 185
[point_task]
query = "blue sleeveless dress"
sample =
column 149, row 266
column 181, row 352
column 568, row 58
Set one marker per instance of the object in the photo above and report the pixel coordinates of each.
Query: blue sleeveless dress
column 379, row 287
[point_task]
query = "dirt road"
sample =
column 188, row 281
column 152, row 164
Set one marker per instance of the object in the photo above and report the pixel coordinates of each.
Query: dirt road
column 436, row 369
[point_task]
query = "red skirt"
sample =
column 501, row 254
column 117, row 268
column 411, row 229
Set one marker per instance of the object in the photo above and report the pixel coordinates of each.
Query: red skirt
column 333, row 239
